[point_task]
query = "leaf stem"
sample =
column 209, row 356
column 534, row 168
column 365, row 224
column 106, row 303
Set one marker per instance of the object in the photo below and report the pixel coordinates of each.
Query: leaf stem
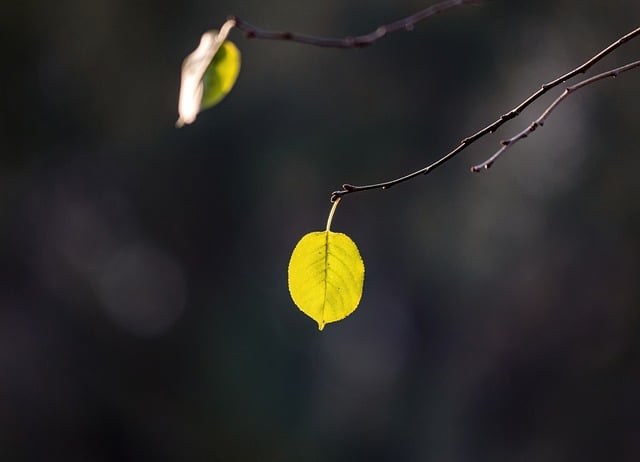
column 359, row 41
column 333, row 210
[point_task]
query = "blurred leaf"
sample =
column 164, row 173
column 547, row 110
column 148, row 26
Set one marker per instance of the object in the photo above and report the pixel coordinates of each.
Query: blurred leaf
column 221, row 75
column 326, row 276
column 208, row 74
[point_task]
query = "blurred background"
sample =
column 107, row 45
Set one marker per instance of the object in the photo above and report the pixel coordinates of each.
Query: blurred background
column 144, row 310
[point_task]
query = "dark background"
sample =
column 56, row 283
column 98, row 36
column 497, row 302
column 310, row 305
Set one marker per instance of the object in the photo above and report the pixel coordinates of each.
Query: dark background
column 144, row 311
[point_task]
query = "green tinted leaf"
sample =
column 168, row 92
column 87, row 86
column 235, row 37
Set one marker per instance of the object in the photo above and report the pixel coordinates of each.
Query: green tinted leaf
column 208, row 73
column 221, row 74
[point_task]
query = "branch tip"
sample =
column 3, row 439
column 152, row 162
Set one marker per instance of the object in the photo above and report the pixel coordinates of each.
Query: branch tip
column 539, row 122
column 407, row 24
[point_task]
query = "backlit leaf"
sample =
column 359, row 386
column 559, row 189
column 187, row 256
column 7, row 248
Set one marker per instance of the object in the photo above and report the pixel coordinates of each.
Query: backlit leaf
column 208, row 74
column 221, row 74
column 326, row 276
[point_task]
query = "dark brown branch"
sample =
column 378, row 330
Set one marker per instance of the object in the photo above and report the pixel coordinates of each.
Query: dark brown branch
column 349, row 188
column 540, row 121
column 359, row 41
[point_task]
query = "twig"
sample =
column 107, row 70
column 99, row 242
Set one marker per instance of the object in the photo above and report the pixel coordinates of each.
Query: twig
column 349, row 188
column 350, row 42
column 539, row 122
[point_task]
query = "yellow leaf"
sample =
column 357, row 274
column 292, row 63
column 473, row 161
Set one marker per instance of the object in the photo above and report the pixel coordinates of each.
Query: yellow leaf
column 326, row 276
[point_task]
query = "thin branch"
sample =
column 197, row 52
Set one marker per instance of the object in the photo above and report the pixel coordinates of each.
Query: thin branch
column 466, row 142
column 540, row 121
column 350, row 42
